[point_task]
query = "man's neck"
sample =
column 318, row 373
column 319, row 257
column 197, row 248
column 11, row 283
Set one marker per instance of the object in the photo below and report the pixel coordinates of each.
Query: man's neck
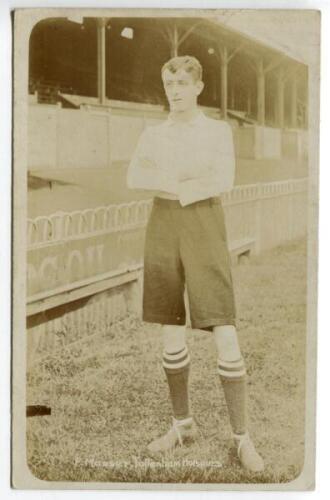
column 186, row 115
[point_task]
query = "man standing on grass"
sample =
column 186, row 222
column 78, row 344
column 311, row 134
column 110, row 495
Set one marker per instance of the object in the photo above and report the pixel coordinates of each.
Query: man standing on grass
column 186, row 162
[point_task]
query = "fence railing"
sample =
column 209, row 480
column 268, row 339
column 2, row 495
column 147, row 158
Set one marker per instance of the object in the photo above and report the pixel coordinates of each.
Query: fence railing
column 61, row 227
column 64, row 226
column 82, row 264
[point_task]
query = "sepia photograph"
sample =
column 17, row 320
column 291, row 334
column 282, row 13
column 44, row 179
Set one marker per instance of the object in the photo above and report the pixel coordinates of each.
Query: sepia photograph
column 165, row 233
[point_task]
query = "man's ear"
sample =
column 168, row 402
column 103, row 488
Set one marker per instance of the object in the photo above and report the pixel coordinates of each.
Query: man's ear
column 199, row 86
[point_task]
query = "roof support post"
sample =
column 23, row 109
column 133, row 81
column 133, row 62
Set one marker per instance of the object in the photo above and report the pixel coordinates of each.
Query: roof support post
column 248, row 107
column 224, row 82
column 280, row 98
column 294, row 102
column 101, row 61
column 261, row 92
column 174, row 38
column 175, row 42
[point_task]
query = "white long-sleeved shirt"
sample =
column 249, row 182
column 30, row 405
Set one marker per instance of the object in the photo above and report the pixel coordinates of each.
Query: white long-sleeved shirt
column 191, row 160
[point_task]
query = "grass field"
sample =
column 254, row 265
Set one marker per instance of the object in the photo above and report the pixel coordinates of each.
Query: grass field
column 109, row 397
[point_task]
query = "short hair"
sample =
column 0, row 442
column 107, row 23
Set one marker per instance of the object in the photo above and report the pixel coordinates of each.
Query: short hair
column 189, row 63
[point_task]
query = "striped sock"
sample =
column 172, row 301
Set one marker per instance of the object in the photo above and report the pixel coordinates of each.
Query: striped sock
column 233, row 379
column 176, row 366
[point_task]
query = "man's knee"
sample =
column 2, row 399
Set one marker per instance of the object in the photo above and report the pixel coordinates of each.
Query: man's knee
column 174, row 338
column 227, row 342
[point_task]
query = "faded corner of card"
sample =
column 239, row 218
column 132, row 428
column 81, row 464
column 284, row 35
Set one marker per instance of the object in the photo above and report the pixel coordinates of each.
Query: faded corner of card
column 22, row 478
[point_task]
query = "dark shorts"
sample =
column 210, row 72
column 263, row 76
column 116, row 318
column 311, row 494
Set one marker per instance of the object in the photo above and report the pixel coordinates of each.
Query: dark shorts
column 187, row 246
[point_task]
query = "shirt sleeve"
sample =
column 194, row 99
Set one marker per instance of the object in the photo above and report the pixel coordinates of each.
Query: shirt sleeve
column 143, row 171
column 223, row 175
column 141, row 163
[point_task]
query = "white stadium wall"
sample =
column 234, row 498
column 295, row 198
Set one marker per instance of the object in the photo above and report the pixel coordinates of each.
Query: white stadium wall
column 95, row 137
column 267, row 142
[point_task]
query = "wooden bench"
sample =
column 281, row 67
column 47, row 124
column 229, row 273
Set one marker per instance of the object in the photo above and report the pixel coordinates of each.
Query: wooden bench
column 241, row 248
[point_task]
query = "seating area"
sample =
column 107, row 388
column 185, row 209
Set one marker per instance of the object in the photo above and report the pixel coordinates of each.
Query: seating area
column 48, row 92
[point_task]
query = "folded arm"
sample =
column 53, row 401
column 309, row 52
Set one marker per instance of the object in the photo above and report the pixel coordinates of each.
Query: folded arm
column 220, row 181
column 143, row 172
column 151, row 179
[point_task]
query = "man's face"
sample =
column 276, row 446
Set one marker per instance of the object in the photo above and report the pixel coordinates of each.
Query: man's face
column 181, row 89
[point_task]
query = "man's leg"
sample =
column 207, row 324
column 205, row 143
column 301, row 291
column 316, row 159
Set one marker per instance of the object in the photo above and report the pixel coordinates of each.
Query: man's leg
column 232, row 374
column 176, row 362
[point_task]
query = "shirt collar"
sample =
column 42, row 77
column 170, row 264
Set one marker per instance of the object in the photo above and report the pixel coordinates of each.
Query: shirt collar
column 193, row 121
